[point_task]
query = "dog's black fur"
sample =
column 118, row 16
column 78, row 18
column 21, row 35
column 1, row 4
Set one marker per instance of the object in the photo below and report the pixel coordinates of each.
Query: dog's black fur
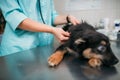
column 85, row 40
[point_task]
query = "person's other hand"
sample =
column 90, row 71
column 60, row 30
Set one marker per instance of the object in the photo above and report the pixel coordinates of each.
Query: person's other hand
column 73, row 20
column 60, row 34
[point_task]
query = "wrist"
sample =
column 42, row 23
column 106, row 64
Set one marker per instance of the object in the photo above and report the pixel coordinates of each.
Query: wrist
column 52, row 30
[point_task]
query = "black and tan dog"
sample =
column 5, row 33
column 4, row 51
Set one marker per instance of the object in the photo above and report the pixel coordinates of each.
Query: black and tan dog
column 85, row 41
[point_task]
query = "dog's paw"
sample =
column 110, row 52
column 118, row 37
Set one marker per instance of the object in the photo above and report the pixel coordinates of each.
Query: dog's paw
column 55, row 59
column 94, row 62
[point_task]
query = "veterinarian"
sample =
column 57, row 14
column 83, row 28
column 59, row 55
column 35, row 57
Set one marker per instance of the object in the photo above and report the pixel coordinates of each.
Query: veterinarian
column 29, row 23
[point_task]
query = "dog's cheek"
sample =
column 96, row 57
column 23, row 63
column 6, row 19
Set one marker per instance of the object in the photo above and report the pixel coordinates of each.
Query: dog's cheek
column 87, row 53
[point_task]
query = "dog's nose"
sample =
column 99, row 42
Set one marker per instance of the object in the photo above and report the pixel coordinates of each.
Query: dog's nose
column 111, row 62
column 115, row 61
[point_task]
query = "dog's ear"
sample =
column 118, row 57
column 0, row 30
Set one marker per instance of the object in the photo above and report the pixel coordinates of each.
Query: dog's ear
column 67, row 26
column 79, row 41
column 92, row 37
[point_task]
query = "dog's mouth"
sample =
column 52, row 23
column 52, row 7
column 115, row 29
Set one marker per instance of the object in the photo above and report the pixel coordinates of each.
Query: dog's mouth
column 111, row 62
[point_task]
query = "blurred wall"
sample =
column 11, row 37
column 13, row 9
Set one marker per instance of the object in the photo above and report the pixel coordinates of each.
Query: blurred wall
column 109, row 9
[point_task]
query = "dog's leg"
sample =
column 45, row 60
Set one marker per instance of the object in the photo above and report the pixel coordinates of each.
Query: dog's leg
column 57, row 56
column 94, row 59
column 94, row 62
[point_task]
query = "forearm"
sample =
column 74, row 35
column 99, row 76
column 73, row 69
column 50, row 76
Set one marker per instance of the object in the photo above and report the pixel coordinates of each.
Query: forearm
column 61, row 19
column 34, row 26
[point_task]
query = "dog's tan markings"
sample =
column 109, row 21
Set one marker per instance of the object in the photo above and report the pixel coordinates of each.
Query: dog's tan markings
column 79, row 41
column 94, row 59
column 87, row 53
column 94, row 62
column 72, row 52
column 103, row 42
column 56, row 58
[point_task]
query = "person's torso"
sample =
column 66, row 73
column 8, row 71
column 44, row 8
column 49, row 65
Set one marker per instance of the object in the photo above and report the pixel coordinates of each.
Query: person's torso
column 14, row 41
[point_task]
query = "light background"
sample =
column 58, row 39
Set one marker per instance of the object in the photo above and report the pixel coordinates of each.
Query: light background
column 104, row 9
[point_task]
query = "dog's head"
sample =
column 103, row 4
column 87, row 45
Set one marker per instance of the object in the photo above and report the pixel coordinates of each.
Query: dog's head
column 95, row 45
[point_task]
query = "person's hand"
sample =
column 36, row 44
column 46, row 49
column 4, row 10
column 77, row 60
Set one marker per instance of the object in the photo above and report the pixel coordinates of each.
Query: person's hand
column 73, row 20
column 60, row 34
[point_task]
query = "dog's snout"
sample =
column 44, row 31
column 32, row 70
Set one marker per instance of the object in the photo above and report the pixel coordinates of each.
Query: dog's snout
column 115, row 61
column 111, row 62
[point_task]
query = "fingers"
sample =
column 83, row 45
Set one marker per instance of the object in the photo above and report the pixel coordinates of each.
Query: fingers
column 64, row 37
column 61, row 35
column 77, row 22
column 66, row 34
column 73, row 20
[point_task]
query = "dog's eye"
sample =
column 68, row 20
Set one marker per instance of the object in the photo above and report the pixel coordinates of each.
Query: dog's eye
column 101, row 48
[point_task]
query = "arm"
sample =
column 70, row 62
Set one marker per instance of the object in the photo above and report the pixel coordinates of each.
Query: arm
column 62, row 19
column 17, row 19
column 34, row 26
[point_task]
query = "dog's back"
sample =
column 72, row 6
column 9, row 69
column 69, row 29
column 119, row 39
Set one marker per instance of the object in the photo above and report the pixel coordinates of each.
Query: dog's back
column 80, row 27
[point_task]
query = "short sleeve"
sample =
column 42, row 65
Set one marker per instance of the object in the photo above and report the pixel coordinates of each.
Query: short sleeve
column 12, row 12
column 54, row 13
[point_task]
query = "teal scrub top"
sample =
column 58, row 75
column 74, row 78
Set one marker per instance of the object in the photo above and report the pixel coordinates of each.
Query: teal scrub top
column 15, row 11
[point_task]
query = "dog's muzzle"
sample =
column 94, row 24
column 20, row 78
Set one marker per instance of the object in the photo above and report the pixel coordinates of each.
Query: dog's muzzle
column 111, row 61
